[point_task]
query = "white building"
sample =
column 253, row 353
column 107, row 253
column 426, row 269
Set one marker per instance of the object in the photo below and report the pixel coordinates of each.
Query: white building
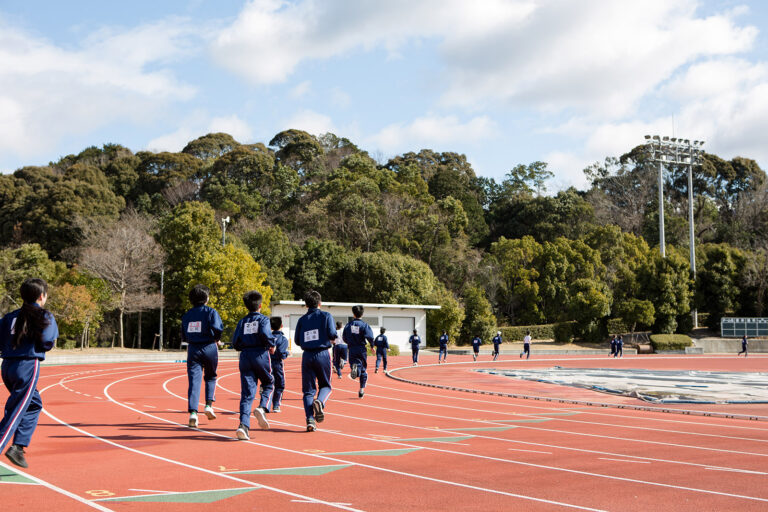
column 399, row 319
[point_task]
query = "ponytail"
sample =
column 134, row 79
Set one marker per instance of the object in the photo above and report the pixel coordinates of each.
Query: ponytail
column 32, row 320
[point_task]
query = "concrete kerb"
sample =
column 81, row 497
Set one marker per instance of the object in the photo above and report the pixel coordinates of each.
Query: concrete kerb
column 689, row 412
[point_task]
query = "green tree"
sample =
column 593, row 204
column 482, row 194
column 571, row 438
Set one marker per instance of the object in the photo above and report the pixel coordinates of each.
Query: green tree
column 75, row 311
column 211, row 146
column 271, row 248
column 636, row 313
column 229, row 272
column 448, row 318
column 318, row 265
column 666, row 283
column 478, row 317
column 383, row 277
column 518, row 286
column 590, row 302
column 717, row 288
column 19, row 264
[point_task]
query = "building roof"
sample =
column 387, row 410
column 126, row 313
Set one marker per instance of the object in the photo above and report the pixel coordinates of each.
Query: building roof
column 350, row 304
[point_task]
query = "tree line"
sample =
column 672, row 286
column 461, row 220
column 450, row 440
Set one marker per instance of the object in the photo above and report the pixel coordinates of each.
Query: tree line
column 318, row 212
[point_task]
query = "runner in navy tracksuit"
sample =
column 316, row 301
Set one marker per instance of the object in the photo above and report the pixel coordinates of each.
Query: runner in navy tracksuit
column 619, row 347
column 254, row 340
column 281, row 353
column 476, row 342
column 25, row 336
column 382, row 346
column 315, row 333
column 496, row 345
column 357, row 334
column 415, row 342
column 340, row 352
column 201, row 328
column 443, row 352
column 744, row 346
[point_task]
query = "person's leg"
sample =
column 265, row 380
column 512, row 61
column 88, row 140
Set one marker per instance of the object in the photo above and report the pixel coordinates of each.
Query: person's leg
column 528, row 352
column 308, row 386
column 323, row 373
column 248, row 386
column 378, row 360
column 23, row 406
column 363, row 357
column 384, row 359
column 210, row 365
column 267, row 380
column 277, row 397
column 194, row 377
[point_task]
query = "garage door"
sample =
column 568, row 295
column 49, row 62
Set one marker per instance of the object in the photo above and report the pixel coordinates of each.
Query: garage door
column 399, row 329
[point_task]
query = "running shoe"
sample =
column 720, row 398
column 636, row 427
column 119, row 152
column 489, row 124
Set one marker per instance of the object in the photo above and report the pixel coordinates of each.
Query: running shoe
column 354, row 372
column 243, row 433
column 16, row 455
column 209, row 412
column 276, row 409
column 193, row 420
column 258, row 413
column 311, row 425
column 360, row 393
column 318, row 410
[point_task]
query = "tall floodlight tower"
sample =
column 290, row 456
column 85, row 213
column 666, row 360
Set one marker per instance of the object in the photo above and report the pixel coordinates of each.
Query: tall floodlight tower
column 676, row 151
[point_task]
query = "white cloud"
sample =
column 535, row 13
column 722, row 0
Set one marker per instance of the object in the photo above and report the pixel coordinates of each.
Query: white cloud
column 310, row 121
column 198, row 125
column 48, row 92
column 301, row 90
column 432, row 131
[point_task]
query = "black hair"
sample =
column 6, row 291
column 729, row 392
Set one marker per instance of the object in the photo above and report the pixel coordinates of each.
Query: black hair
column 528, row 333
column 32, row 320
column 383, row 330
column 358, row 311
column 199, row 294
column 415, row 332
column 338, row 324
column 312, row 298
column 252, row 300
column 275, row 322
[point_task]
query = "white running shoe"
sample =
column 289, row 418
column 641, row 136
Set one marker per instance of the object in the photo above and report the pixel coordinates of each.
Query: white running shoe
column 243, row 433
column 258, row 412
column 209, row 412
column 193, row 420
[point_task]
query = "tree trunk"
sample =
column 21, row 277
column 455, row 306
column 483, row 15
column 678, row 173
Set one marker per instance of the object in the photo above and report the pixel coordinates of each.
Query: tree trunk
column 120, row 329
column 139, row 330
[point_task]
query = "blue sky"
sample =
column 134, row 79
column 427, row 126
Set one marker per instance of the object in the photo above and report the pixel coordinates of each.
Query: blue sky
column 503, row 81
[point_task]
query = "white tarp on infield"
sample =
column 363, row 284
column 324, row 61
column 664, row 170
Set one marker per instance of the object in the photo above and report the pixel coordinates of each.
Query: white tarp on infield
column 665, row 386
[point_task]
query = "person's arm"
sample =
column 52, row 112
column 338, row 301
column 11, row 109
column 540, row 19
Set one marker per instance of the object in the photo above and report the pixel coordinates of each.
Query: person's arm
column 386, row 343
column 236, row 336
column 331, row 327
column 369, row 336
column 50, row 334
column 217, row 326
column 265, row 333
column 283, row 344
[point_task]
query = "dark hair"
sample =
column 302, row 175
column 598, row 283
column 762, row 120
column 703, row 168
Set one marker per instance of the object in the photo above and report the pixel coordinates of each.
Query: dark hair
column 32, row 320
column 312, row 298
column 358, row 311
column 252, row 300
column 383, row 330
column 276, row 322
column 528, row 333
column 415, row 332
column 338, row 324
column 198, row 295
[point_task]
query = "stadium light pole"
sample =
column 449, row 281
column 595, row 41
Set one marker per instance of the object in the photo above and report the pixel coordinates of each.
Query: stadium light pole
column 677, row 151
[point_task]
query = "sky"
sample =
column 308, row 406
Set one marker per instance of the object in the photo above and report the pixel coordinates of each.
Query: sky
column 506, row 82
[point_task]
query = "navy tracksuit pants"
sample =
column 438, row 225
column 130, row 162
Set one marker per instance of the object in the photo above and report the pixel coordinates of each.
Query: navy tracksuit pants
column 359, row 356
column 23, row 407
column 340, row 354
column 202, row 361
column 255, row 368
column 315, row 373
column 279, row 374
column 381, row 355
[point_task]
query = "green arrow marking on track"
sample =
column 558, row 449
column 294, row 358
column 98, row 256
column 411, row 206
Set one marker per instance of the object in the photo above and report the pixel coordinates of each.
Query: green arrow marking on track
column 185, row 497
column 380, row 453
column 438, row 439
column 7, row 475
column 308, row 471
column 527, row 420
column 480, row 429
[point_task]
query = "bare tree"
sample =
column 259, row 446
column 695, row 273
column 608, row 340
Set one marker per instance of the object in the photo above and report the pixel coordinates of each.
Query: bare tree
column 124, row 255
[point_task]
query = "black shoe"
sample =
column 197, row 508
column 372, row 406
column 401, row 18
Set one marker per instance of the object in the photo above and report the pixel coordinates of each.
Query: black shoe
column 311, row 425
column 243, row 433
column 16, row 455
column 355, row 371
column 317, row 408
column 376, row 371
column 360, row 393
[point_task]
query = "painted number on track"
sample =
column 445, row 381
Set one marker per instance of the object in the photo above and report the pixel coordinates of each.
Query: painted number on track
column 100, row 493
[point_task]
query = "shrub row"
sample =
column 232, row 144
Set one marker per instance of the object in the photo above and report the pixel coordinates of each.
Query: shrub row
column 394, row 350
column 661, row 342
column 562, row 332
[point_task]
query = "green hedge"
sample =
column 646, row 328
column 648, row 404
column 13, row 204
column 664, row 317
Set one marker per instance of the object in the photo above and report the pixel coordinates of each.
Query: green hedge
column 562, row 331
column 670, row 342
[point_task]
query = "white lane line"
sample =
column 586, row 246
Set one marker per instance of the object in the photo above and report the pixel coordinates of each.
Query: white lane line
column 153, row 491
column 167, row 493
column 628, row 413
column 19, row 483
column 542, row 429
column 531, row 451
column 179, row 463
column 510, row 461
column 56, row 488
column 714, row 468
column 625, row 460
column 571, row 420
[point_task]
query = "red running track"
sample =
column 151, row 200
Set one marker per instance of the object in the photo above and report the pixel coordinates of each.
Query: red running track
column 114, row 437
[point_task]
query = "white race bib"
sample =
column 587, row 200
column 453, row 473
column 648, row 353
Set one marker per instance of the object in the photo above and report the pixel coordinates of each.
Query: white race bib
column 195, row 327
column 355, row 329
column 312, row 335
column 251, row 328
column 13, row 327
